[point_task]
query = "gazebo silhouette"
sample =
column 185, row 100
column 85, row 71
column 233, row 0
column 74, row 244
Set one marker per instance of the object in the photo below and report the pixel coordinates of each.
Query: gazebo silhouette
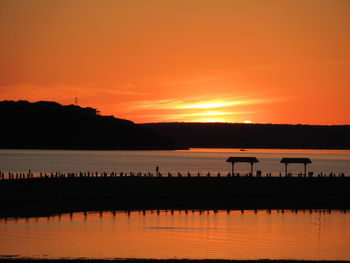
column 287, row 161
column 250, row 160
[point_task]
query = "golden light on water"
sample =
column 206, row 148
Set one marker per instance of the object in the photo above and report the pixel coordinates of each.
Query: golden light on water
column 314, row 235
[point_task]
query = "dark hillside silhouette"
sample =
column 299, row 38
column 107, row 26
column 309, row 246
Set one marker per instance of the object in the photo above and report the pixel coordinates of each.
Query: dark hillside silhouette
column 49, row 125
column 231, row 135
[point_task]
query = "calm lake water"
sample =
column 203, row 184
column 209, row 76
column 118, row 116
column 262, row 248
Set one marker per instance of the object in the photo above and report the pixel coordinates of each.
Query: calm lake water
column 310, row 235
column 193, row 161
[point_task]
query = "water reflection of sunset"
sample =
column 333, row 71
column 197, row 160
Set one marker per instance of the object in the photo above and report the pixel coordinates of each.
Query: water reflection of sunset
column 276, row 234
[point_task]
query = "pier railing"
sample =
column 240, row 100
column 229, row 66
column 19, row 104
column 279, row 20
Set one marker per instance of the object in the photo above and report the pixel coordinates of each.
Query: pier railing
column 59, row 175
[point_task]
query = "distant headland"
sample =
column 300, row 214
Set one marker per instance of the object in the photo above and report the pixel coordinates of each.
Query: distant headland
column 49, row 125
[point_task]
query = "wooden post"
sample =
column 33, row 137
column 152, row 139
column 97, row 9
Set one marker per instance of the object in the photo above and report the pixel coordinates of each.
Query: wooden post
column 251, row 168
column 305, row 168
column 233, row 168
column 286, row 171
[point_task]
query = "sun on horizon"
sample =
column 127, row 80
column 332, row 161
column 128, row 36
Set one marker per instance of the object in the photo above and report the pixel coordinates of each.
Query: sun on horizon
column 227, row 61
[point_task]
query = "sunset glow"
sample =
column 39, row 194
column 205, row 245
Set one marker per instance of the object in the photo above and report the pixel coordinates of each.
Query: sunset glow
column 210, row 105
column 150, row 61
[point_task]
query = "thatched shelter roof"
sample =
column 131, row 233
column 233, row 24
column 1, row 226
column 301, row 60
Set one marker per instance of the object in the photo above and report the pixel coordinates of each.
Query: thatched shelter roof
column 296, row 160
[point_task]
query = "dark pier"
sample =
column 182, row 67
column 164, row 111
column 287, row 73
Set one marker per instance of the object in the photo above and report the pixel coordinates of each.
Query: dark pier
column 45, row 194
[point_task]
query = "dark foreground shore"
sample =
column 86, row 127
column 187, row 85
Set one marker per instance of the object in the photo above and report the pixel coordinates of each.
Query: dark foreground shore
column 159, row 261
column 43, row 197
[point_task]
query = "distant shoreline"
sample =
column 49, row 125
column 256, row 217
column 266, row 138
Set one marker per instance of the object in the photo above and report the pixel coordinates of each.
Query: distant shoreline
column 54, row 126
column 33, row 260
column 170, row 149
column 239, row 135
column 107, row 149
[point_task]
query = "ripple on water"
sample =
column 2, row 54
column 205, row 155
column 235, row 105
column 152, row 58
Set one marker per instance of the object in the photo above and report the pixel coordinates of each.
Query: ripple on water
column 309, row 235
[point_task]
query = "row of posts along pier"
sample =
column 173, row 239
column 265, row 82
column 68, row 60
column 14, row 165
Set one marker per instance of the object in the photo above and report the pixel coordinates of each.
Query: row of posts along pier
column 232, row 160
column 57, row 175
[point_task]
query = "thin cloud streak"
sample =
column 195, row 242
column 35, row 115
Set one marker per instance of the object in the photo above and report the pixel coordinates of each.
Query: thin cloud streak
column 199, row 109
column 209, row 105
column 202, row 104
column 180, row 115
column 214, row 114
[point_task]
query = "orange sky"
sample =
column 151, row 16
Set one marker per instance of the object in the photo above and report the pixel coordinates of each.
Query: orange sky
column 200, row 60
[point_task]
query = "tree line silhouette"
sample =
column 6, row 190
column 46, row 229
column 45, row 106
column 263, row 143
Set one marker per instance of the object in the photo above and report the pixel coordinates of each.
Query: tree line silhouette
column 235, row 135
column 49, row 125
